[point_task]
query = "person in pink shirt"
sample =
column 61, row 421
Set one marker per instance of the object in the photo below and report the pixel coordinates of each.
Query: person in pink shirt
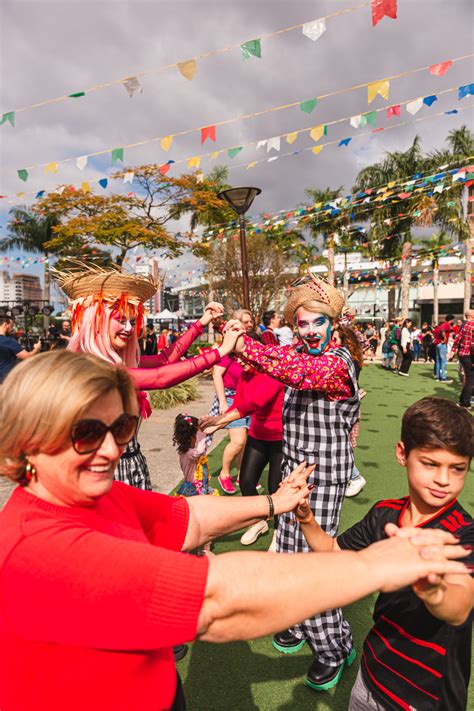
column 260, row 397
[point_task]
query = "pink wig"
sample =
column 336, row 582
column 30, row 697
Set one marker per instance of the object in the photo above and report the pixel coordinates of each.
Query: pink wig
column 91, row 335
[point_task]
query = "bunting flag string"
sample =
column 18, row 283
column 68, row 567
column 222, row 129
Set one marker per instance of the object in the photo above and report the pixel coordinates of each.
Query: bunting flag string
column 209, row 132
column 188, row 68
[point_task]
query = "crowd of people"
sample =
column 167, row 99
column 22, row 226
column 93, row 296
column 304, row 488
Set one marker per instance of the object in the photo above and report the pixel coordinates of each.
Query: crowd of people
column 98, row 595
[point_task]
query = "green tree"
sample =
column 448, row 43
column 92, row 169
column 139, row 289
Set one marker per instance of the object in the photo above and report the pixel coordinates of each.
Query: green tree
column 431, row 249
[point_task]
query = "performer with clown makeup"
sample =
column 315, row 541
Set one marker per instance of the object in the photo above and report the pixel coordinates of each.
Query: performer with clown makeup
column 107, row 319
column 321, row 406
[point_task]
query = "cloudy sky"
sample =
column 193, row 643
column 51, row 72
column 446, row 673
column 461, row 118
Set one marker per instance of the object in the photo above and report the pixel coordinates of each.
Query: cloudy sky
column 50, row 49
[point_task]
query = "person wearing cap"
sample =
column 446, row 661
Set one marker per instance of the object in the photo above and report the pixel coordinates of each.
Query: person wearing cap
column 321, row 406
column 107, row 318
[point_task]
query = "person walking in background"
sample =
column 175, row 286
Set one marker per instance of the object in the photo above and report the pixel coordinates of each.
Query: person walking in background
column 426, row 341
column 150, row 342
column 11, row 352
column 395, row 340
column 163, row 340
column 405, row 344
column 416, row 343
column 285, row 334
column 271, row 321
column 440, row 341
column 463, row 347
column 372, row 339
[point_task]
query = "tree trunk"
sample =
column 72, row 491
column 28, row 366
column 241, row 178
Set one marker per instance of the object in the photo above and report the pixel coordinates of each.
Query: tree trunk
column 391, row 302
column 210, row 328
column 331, row 260
column 345, row 279
column 435, row 293
column 468, row 266
column 46, row 292
column 406, row 279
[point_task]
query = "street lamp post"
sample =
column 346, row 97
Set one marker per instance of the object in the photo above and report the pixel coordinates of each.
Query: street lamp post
column 240, row 200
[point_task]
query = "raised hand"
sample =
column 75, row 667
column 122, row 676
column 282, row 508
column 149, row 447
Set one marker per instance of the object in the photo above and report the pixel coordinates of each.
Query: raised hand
column 213, row 310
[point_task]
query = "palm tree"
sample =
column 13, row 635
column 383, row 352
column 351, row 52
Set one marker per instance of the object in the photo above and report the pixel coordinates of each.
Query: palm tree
column 431, row 249
column 31, row 232
column 331, row 227
column 449, row 213
column 398, row 167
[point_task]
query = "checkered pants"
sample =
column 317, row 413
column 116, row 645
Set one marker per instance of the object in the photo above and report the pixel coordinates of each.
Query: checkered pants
column 329, row 634
column 132, row 467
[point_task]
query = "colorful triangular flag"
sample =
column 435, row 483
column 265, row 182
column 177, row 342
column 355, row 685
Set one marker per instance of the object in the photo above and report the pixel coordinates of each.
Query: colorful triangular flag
column 252, row 48
column 128, row 177
column 103, row 182
column 314, row 29
column 208, row 132
column 51, row 167
column 378, row 87
column 23, row 174
column 465, row 90
column 232, row 152
column 383, row 8
column 414, row 106
column 194, row 162
column 117, row 154
column 356, row 121
column 188, row 69
column 291, row 137
column 308, row 106
column 132, row 85
column 273, row 143
column 439, row 70
column 81, row 162
column 86, row 187
column 318, row 131
column 344, row 142
column 393, row 111
column 166, row 142
column 317, row 149
column 8, row 116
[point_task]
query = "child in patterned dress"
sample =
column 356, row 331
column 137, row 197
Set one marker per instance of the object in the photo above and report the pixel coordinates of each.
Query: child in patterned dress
column 191, row 446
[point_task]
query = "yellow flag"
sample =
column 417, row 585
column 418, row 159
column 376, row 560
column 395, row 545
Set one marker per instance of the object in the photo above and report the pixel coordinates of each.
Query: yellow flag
column 391, row 184
column 252, row 164
column 86, row 187
column 166, row 142
column 194, row 162
column 317, row 149
column 317, row 132
column 20, row 195
column 188, row 69
column 51, row 168
column 291, row 137
column 214, row 155
column 378, row 87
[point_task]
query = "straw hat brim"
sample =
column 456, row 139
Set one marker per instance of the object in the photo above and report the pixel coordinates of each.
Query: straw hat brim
column 108, row 284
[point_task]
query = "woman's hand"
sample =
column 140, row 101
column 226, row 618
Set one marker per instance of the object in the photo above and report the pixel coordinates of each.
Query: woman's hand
column 234, row 325
column 303, row 512
column 294, row 489
column 409, row 556
column 213, row 310
column 209, row 424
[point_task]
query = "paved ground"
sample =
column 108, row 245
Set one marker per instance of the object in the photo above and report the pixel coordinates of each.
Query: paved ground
column 156, row 436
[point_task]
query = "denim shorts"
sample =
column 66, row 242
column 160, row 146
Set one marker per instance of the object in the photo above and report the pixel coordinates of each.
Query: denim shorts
column 242, row 422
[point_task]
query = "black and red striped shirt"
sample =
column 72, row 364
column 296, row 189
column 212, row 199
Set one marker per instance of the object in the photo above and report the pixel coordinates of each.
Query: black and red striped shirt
column 411, row 660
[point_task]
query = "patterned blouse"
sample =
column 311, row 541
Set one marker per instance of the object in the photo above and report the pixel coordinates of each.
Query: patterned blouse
column 301, row 371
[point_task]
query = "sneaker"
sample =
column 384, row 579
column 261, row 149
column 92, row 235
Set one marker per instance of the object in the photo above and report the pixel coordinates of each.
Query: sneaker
column 226, row 485
column 446, row 381
column 252, row 533
column 287, row 643
column 407, row 375
column 322, row 677
column 355, row 486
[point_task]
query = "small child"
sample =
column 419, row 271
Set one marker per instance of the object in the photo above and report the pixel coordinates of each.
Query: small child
column 418, row 653
column 191, row 446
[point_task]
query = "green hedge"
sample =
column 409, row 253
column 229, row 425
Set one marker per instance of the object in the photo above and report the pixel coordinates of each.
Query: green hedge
column 177, row 395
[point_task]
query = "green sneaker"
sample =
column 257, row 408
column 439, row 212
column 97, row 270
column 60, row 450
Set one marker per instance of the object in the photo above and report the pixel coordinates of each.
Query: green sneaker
column 322, row 677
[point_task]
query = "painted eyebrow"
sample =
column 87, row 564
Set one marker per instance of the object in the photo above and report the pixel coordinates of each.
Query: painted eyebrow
column 434, row 461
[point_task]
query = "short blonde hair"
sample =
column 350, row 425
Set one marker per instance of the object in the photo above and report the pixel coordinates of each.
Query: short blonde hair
column 240, row 312
column 42, row 397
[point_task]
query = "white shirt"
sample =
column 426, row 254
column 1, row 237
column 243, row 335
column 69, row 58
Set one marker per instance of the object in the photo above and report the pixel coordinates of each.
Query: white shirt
column 406, row 338
column 284, row 335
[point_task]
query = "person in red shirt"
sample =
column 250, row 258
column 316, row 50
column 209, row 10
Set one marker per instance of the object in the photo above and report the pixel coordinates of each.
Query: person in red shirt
column 94, row 588
column 463, row 347
column 440, row 343
column 260, row 397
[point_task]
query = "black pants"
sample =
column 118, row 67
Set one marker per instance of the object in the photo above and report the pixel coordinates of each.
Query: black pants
column 406, row 361
column 179, row 703
column 257, row 454
column 465, row 398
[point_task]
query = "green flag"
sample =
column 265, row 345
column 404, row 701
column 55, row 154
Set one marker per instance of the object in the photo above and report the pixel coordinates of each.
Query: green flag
column 77, row 95
column 117, row 154
column 308, row 106
column 371, row 118
column 9, row 116
column 23, row 174
column 252, row 48
column 232, row 152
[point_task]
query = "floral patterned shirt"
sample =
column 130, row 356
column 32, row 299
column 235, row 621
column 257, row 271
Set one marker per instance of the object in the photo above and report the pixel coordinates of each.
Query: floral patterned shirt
column 327, row 373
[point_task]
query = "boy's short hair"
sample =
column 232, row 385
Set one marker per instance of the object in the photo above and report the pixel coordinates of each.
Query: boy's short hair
column 437, row 423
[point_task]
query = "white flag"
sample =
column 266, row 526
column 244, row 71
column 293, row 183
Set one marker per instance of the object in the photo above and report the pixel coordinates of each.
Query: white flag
column 81, row 162
column 273, row 143
column 414, row 106
column 128, row 177
column 262, row 144
column 355, row 121
column 132, row 85
column 314, row 29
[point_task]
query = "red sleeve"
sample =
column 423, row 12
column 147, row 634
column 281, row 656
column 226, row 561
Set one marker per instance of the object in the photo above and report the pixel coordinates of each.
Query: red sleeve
column 168, row 375
column 164, row 519
column 176, row 350
column 252, row 395
column 67, row 584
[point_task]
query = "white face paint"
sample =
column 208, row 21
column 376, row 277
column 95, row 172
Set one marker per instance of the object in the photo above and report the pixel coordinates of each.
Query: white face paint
column 314, row 330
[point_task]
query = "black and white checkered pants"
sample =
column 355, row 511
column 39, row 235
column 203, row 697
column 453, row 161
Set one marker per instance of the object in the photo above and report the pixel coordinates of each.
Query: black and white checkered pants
column 132, row 467
column 328, row 634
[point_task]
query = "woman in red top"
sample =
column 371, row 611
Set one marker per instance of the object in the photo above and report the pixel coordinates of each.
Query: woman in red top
column 94, row 591
column 261, row 397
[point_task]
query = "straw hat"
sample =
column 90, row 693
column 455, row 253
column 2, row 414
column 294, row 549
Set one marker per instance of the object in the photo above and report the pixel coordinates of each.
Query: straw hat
column 108, row 284
column 321, row 293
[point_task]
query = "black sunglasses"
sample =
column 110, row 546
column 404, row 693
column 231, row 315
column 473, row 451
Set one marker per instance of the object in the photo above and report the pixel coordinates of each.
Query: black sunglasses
column 88, row 435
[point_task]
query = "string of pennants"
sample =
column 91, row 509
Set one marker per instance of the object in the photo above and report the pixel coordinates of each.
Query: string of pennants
column 128, row 177
column 249, row 49
column 208, row 133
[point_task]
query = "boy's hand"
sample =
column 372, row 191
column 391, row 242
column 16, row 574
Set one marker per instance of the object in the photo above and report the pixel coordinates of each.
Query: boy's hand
column 303, row 512
column 432, row 592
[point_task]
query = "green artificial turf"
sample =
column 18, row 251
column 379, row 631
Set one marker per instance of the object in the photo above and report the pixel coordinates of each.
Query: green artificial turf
column 252, row 675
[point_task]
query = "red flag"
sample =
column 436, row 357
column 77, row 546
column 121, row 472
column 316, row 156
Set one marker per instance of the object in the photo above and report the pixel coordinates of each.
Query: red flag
column 439, row 70
column 208, row 132
column 164, row 168
column 393, row 111
column 382, row 8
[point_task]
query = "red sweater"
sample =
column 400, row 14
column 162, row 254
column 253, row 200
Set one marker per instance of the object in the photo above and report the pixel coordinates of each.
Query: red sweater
column 92, row 601
column 261, row 396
